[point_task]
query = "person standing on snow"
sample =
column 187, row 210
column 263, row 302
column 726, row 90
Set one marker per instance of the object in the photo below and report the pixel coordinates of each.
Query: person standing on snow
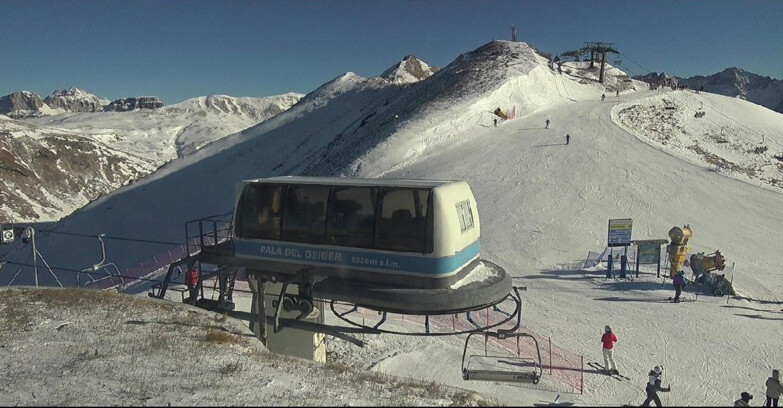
column 608, row 340
column 495, row 122
column 547, row 124
column 618, row 93
column 568, row 139
column 653, row 386
column 774, row 389
column 603, row 96
column 679, row 282
column 744, row 400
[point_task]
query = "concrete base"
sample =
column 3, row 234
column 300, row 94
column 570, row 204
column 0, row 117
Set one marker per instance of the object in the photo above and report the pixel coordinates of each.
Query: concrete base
column 291, row 342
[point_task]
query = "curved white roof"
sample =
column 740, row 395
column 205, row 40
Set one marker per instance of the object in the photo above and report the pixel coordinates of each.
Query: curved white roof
column 354, row 181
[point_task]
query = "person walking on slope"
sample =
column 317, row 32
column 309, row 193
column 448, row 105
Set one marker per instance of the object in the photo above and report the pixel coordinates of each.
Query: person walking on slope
column 679, row 282
column 608, row 340
column 495, row 122
column 744, row 400
column 547, row 124
column 603, row 96
column 568, row 139
column 774, row 389
column 653, row 386
column 617, row 94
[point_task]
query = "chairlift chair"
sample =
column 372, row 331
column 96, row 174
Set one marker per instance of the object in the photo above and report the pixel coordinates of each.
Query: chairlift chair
column 505, row 368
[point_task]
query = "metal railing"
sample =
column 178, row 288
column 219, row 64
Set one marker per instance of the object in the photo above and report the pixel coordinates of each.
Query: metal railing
column 207, row 234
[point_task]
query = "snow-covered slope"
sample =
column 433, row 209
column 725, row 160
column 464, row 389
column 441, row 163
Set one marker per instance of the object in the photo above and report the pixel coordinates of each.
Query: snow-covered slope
column 46, row 173
column 543, row 206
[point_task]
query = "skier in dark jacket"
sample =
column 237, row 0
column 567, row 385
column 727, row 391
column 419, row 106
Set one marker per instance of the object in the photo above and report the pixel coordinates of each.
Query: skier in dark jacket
column 774, row 389
column 568, row 139
column 679, row 282
column 653, row 386
column 744, row 400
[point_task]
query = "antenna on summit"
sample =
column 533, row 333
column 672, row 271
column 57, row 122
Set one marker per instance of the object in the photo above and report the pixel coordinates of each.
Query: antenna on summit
column 514, row 33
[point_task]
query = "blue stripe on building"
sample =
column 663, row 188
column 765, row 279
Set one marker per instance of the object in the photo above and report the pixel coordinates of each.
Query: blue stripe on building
column 331, row 256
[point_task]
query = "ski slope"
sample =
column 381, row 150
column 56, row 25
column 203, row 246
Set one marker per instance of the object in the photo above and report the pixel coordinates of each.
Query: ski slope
column 543, row 206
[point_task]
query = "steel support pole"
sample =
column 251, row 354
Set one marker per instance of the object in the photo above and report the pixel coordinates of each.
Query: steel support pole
column 258, row 307
column 35, row 256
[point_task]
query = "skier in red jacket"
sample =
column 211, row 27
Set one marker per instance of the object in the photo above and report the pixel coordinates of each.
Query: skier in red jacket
column 608, row 340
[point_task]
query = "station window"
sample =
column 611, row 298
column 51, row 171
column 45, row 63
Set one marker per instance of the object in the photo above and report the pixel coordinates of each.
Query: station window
column 304, row 214
column 351, row 220
column 259, row 211
column 402, row 224
column 465, row 215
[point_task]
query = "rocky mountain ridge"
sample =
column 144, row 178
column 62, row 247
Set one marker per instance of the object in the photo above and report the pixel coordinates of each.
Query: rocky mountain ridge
column 735, row 82
column 409, row 70
column 75, row 100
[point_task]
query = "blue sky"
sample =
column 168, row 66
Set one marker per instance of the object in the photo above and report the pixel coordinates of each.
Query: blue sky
column 182, row 49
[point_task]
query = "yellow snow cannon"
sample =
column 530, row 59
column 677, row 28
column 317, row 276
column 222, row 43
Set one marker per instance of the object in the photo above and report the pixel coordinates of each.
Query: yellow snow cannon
column 678, row 248
column 702, row 264
column 500, row 113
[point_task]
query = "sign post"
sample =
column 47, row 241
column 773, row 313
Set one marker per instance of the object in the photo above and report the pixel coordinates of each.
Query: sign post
column 648, row 251
column 620, row 235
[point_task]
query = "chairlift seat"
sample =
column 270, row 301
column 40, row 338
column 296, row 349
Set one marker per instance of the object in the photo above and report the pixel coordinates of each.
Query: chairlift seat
column 511, row 375
column 508, row 368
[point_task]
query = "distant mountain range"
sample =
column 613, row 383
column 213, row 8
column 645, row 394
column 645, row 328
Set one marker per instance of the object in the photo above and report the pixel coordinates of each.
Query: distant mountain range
column 55, row 160
column 59, row 153
column 735, row 82
column 25, row 104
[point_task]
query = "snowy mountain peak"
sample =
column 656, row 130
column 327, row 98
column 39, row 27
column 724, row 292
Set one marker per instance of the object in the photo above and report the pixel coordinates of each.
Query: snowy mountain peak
column 74, row 99
column 409, row 70
column 737, row 82
column 257, row 109
column 340, row 84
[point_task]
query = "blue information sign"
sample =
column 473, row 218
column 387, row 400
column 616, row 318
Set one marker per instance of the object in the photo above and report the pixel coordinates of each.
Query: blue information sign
column 620, row 232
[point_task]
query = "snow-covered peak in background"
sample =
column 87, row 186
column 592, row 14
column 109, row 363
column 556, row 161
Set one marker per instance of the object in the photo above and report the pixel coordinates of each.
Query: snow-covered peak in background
column 409, row 70
column 340, row 84
column 76, row 100
column 763, row 90
column 256, row 108
column 735, row 82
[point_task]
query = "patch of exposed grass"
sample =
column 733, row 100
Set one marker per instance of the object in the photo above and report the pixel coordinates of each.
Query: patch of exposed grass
column 157, row 341
column 220, row 337
column 230, row 368
column 339, row 368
